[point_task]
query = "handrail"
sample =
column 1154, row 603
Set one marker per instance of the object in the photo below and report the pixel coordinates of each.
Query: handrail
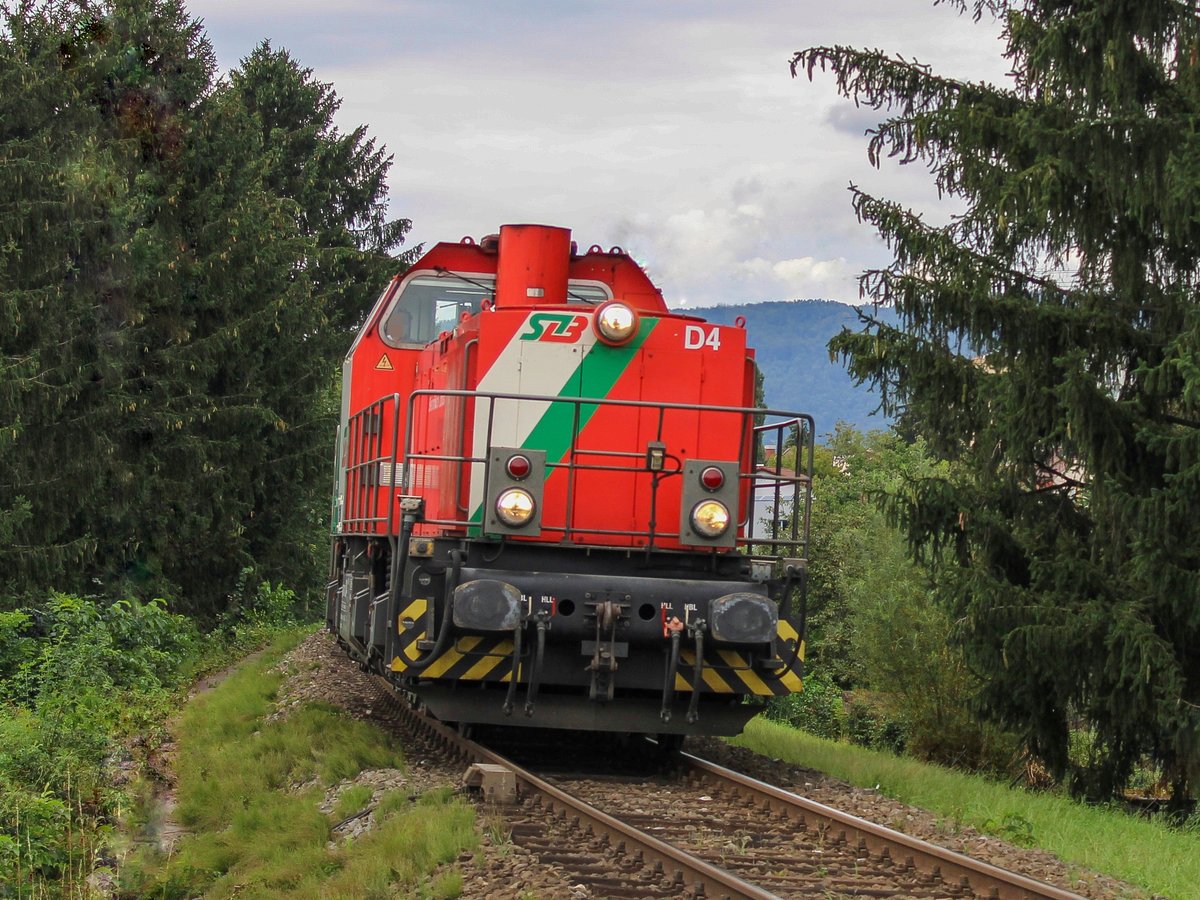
column 786, row 536
column 367, row 454
column 372, row 457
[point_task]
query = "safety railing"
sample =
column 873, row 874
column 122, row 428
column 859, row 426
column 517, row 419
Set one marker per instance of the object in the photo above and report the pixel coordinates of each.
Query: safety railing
column 776, row 489
column 367, row 449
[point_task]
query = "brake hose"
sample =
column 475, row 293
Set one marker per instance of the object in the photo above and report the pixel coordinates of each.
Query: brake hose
column 439, row 645
column 693, row 712
column 535, row 676
column 516, row 661
column 669, row 679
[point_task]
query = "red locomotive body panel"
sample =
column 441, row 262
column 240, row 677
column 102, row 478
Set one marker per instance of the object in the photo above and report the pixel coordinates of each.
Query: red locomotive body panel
column 552, row 352
column 539, row 462
column 524, row 340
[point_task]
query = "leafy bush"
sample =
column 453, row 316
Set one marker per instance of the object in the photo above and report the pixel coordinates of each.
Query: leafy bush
column 74, row 677
column 16, row 646
column 869, row 725
column 257, row 607
column 817, row 709
column 273, row 605
column 32, row 840
column 906, row 645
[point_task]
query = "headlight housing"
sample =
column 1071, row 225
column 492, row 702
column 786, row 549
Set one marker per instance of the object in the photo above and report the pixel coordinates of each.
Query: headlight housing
column 515, row 507
column 710, row 518
column 616, row 323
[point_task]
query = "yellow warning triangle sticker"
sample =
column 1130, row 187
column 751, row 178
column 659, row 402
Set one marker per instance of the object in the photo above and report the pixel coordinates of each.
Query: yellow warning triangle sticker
column 384, row 363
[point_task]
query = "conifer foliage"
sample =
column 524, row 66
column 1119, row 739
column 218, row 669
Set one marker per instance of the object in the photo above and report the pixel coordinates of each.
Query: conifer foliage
column 1048, row 344
column 180, row 260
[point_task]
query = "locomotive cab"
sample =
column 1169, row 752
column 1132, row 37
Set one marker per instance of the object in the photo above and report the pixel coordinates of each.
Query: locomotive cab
column 429, row 305
column 548, row 492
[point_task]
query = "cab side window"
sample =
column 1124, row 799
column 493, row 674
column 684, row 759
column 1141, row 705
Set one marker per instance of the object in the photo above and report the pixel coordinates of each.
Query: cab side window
column 431, row 304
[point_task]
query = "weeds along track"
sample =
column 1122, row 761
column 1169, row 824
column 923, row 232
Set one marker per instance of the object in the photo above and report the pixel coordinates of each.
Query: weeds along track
column 701, row 830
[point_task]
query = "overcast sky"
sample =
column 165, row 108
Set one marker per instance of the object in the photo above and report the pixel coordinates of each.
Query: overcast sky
column 669, row 127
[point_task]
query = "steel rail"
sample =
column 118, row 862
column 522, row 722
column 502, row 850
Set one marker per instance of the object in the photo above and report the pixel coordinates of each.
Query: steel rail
column 982, row 878
column 706, row 880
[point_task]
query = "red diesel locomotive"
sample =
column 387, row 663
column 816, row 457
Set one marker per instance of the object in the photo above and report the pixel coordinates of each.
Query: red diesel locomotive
column 550, row 496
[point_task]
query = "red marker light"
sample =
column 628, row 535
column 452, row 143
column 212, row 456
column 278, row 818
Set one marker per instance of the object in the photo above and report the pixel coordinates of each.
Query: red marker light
column 712, row 478
column 519, row 466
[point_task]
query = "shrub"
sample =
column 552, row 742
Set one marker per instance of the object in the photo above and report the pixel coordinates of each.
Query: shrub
column 909, row 655
column 74, row 677
column 16, row 643
column 870, row 725
column 255, row 605
column 817, row 709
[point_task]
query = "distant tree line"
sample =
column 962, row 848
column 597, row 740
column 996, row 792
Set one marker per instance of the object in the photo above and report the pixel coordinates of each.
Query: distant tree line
column 183, row 258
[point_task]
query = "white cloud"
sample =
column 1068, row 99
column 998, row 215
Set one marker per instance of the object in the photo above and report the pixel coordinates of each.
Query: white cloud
column 671, row 128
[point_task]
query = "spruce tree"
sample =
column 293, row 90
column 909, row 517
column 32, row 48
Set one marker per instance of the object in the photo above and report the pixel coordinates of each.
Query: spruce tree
column 1048, row 346
column 337, row 181
column 179, row 258
column 56, row 243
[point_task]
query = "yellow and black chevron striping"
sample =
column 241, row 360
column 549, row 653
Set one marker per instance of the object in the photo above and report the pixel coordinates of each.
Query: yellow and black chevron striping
column 410, row 626
column 474, row 658
column 734, row 674
column 479, row 658
column 470, row 658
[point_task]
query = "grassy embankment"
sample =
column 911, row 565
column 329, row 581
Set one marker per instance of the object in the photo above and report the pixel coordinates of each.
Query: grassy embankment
column 249, row 791
column 1144, row 852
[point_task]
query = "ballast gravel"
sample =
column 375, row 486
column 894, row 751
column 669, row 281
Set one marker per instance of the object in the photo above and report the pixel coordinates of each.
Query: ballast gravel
column 499, row 869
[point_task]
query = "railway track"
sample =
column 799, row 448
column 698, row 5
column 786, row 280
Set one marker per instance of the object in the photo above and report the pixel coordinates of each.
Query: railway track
column 707, row 831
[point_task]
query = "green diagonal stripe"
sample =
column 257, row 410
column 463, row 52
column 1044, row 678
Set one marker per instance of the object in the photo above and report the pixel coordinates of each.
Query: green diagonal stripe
column 597, row 373
column 600, row 371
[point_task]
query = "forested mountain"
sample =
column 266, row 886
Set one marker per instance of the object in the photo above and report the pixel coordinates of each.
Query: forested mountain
column 790, row 339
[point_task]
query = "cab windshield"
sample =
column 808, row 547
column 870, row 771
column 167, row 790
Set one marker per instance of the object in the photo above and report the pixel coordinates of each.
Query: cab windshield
column 431, row 304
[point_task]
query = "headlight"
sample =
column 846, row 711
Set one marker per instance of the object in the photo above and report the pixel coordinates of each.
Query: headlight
column 710, row 518
column 515, row 507
column 616, row 323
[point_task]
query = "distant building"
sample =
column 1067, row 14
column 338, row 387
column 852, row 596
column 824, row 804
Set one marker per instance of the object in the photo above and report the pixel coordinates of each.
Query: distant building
column 771, row 504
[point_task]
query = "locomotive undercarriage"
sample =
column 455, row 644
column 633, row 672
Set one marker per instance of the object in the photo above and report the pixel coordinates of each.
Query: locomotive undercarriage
column 601, row 639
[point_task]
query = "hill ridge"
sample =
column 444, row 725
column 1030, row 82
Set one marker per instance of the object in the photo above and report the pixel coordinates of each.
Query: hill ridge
column 790, row 339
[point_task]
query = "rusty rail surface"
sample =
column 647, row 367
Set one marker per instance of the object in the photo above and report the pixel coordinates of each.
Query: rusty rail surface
column 703, row 879
column 984, row 879
column 699, row 878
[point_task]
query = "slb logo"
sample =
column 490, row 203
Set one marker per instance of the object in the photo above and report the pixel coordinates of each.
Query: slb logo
column 558, row 328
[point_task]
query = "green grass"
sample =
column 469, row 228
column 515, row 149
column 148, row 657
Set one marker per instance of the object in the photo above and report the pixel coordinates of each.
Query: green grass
column 352, row 801
column 392, row 802
column 403, row 850
column 1144, row 852
column 249, row 790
